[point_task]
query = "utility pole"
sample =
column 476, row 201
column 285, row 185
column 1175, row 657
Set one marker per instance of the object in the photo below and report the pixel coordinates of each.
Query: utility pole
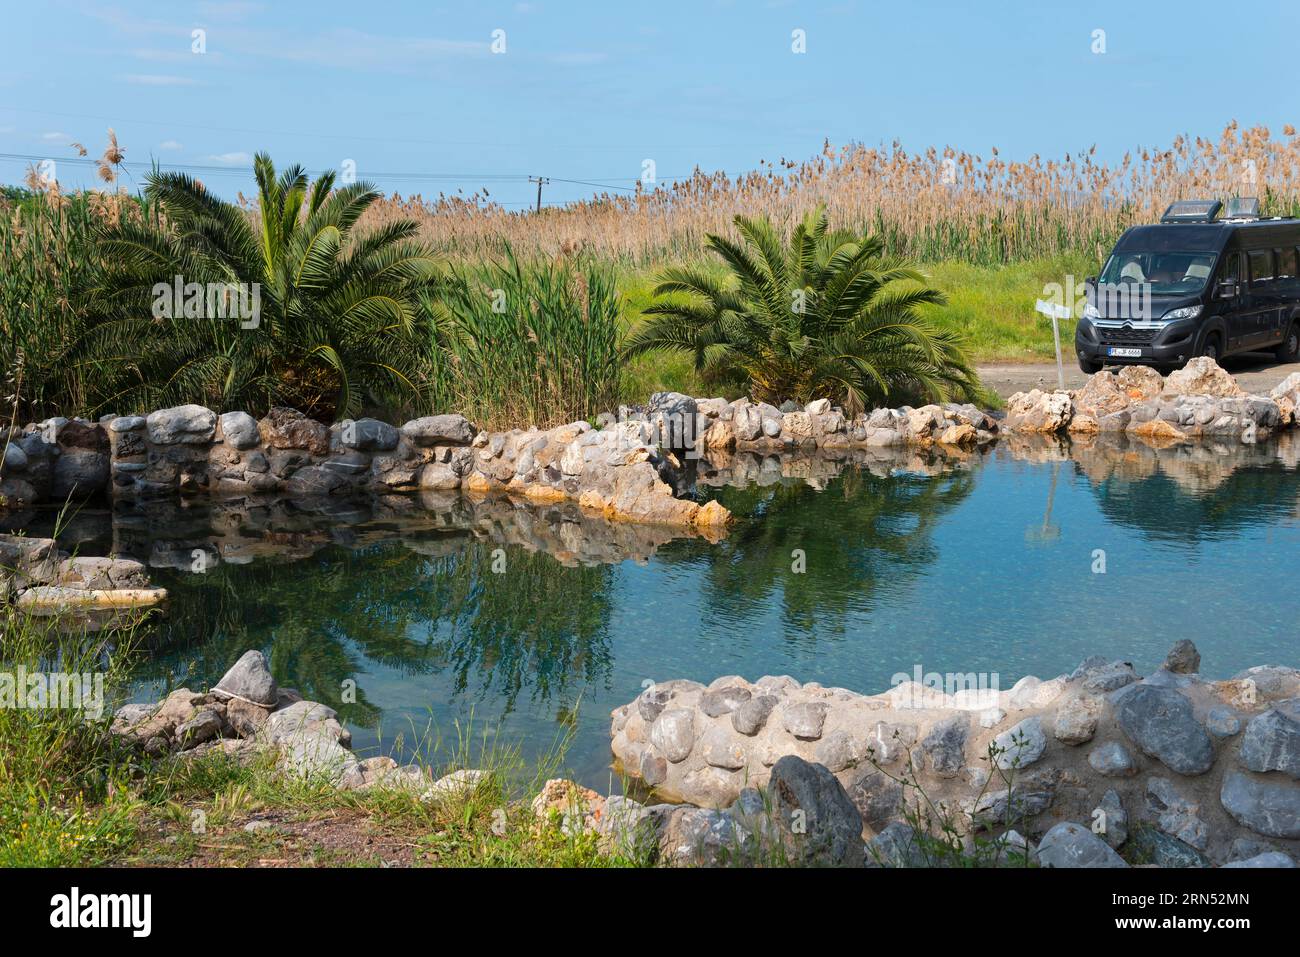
column 539, row 180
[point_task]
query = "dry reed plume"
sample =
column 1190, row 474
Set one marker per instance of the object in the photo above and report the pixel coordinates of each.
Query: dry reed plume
column 940, row 204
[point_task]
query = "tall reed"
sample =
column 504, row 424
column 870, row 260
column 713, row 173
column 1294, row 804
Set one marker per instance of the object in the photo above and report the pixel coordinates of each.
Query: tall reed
column 530, row 343
column 46, row 257
column 938, row 204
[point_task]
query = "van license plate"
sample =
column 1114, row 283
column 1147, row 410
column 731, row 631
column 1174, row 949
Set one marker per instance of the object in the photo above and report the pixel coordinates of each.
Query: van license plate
column 1125, row 353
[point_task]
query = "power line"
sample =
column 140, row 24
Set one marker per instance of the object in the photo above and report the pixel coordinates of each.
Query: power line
column 246, row 171
column 539, row 180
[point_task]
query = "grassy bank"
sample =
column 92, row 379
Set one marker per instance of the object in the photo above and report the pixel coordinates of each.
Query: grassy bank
column 73, row 795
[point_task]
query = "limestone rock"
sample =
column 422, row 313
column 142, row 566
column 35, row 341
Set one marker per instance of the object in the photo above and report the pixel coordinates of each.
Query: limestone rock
column 805, row 719
column 750, row 717
column 724, row 700
column 1151, row 846
column 434, row 430
column 185, row 424
column 1038, row 411
column 1112, row 822
column 816, row 821
column 1183, row 658
column 945, row 746
column 700, row 837
column 673, row 733
column 1076, row 721
column 1160, row 722
column 1202, row 376
column 1272, row 740
column 285, row 428
column 249, row 678
column 239, row 430
column 1072, row 845
column 1222, row 722
column 369, row 435
column 897, row 846
column 245, row 718
column 1113, row 760
column 304, row 716
column 1267, row 805
column 1021, row 745
column 1267, row 859
column 311, row 753
column 204, row 726
column 1175, row 814
column 315, row 481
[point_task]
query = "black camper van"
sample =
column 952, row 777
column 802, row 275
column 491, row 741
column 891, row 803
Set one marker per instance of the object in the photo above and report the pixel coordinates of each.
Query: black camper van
column 1195, row 284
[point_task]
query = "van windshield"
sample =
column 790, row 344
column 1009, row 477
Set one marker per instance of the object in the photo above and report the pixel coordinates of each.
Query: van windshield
column 1168, row 273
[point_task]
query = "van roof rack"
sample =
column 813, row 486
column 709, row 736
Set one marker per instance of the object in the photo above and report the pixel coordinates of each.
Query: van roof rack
column 1192, row 211
column 1242, row 209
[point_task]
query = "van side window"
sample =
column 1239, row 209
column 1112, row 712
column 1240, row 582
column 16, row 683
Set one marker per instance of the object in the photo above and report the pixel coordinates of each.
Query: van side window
column 1286, row 263
column 1261, row 265
column 1230, row 268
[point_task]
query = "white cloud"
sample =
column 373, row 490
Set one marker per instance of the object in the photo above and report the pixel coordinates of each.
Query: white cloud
column 157, row 79
column 232, row 159
column 526, row 8
column 55, row 136
column 170, row 145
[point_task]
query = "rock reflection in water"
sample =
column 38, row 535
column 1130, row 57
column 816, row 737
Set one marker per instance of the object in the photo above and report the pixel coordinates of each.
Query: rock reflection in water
column 407, row 595
column 1183, row 493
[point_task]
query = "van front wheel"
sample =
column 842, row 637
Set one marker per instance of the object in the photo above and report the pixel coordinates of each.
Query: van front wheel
column 1089, row 368
column 1289, row 350
column 1212, row 348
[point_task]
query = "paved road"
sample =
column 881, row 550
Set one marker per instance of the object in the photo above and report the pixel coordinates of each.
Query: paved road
column 1256, row 372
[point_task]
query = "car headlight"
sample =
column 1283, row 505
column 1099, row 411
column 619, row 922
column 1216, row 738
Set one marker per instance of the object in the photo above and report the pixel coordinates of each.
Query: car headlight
column 1187, row 312
column 1091, row 312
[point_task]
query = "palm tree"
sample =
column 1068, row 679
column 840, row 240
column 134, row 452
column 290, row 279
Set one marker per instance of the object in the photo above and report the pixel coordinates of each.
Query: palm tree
column 827, row 315
column 339, row 329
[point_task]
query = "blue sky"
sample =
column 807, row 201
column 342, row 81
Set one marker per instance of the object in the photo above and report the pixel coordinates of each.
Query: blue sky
column 590, row 90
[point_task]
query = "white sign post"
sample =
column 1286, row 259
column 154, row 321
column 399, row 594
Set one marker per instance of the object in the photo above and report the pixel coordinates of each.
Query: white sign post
column 1057, row 312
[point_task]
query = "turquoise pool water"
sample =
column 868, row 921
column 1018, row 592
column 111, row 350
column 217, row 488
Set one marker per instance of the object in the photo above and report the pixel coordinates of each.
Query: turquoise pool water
column 990, row 565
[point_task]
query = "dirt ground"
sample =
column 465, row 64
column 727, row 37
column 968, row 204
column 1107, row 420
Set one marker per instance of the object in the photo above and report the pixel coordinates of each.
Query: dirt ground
column 1256, row 372
column 336, row 839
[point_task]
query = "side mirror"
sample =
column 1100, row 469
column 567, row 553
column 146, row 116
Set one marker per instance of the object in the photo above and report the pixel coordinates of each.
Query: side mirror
column 1090, row 281
column 1227, row 289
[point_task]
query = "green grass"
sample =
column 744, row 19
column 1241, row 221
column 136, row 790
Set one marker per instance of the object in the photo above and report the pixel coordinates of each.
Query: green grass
column 490, row 826
column 72, row 795
column 991, row 306
column 63, row 795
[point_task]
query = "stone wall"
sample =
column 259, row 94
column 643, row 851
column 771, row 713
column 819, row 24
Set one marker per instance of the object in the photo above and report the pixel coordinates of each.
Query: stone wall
column 618, row 472
column 37, row 576
column 627, row 470
column 1200, row 401
column 634, row 467
column 1197, row 771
